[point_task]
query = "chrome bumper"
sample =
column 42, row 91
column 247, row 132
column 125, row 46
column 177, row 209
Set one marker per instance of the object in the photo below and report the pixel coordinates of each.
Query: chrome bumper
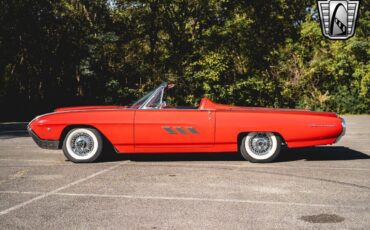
column 45, row 144
column 344, row 127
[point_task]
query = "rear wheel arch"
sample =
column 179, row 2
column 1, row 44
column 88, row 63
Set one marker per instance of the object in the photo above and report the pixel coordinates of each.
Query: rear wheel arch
column 248, row 153
column 243, row 134
column 260, row 146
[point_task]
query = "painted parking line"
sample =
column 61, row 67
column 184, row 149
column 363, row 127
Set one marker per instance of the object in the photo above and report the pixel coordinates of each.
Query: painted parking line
column 42, row 196
column 180, row 198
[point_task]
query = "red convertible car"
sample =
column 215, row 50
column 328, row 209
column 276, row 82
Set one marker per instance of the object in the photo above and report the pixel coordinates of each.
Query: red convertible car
column 150, row 126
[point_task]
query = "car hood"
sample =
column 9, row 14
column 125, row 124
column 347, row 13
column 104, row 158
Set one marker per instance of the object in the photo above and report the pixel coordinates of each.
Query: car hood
column 85, row 108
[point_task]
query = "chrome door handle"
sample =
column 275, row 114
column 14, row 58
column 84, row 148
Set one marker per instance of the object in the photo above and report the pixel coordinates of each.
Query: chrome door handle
column 209, row 115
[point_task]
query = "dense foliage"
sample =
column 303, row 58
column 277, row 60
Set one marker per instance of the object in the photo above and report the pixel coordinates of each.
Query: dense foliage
column 262, row 53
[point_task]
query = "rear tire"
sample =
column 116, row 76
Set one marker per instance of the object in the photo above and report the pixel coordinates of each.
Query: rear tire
column 83, row 145
column 260, row 147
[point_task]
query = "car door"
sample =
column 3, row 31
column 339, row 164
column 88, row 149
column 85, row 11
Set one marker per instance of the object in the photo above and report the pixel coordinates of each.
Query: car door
column 173, row 130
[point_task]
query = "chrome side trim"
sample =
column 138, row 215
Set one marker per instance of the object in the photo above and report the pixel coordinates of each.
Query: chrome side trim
column 180, row 130
column 169, row 130
column 193, row 130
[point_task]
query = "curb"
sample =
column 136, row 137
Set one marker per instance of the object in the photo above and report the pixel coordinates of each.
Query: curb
column 13, row 126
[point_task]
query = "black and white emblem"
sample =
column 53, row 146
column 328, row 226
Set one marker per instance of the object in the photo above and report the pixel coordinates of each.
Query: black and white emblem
column 338, row 18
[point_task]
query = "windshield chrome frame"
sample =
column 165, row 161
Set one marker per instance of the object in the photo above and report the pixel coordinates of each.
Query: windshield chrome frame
column 160, row 90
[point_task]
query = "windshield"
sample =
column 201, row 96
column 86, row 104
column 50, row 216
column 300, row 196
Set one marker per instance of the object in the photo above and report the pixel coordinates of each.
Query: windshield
column 140, row 102
column 150, row 100
column 155, row 101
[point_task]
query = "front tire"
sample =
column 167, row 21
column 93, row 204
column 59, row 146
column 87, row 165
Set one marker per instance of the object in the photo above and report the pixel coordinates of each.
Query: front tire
column 260, row 147
column 83, row 145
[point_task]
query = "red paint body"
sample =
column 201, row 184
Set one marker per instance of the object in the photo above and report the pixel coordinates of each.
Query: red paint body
column 216, row 127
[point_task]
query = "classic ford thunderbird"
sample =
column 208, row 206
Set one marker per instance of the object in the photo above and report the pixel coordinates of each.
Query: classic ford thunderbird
column 151, row 126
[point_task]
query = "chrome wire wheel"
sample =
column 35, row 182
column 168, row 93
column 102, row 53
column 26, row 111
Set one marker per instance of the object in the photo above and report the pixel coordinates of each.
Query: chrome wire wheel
column 82, row 145
column 260, row 146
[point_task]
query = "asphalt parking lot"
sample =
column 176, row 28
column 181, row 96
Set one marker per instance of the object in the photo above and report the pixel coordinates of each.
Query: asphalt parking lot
column 322, row 187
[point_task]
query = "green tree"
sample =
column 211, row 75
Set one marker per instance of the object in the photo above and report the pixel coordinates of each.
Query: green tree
column 259, row 53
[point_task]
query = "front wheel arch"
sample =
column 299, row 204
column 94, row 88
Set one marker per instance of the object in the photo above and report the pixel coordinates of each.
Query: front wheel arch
column 70, row 127
column 83, row 145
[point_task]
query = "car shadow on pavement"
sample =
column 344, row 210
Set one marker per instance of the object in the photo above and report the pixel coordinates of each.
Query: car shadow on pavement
column 321, row 153
column 172, row 157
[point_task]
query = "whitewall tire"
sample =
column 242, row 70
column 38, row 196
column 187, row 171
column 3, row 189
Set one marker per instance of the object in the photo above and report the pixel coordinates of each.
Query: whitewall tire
column 260, row 147
column 83, row 145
